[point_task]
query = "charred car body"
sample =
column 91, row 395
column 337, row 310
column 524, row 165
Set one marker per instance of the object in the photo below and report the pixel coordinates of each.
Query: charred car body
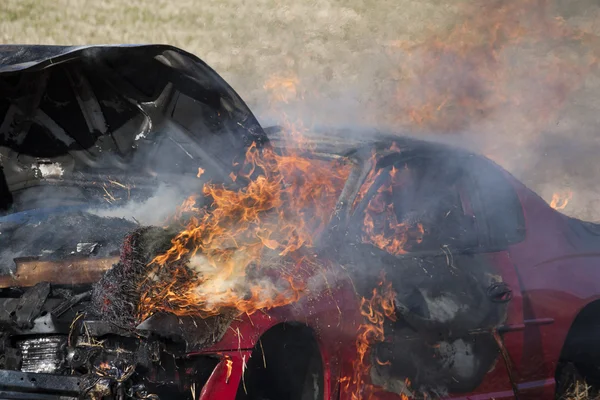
column 494, row 290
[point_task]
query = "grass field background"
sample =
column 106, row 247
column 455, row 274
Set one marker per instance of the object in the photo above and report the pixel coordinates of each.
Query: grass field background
column 517, row 80
column 326, row 42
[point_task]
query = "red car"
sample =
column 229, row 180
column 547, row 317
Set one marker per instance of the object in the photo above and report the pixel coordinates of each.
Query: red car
column 446, row 277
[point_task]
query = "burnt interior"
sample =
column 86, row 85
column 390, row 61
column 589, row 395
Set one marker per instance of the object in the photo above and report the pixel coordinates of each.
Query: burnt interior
column 448, row 296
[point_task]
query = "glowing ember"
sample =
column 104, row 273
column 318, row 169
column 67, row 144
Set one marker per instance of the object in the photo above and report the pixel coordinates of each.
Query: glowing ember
column 229, row 365
column 560, row 200
column 104, row 365
column 383, row 362
column 200, row 172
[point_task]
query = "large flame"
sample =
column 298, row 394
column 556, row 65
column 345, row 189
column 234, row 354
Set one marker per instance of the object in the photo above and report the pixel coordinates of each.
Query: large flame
column 244, row 250
column 232, row 252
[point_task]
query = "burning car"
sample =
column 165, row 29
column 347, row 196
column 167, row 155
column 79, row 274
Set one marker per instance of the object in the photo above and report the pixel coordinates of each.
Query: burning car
column 288, row 264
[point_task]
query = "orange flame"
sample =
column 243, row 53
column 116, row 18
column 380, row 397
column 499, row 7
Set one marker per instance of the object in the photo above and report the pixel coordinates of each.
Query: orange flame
column 371, row 177
column 560, row 200
column 381, row 227
column 287, row 201
column 229, row 365
column 375, row 311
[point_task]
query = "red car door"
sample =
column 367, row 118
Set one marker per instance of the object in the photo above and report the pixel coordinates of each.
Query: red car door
column 440, row 196
column 505, row 228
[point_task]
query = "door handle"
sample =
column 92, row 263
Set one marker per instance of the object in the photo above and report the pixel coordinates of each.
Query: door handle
column 499, row 292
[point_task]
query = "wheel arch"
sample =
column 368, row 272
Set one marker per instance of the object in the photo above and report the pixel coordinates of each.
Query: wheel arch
column 286, row 362
column 581, row 347
column 588, row 316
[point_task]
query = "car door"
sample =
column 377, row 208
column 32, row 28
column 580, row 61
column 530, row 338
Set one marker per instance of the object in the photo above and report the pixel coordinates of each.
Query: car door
column 419, row 225
column 503, row 225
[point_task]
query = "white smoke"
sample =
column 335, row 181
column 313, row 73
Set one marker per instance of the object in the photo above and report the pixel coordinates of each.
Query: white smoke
column 156, row 210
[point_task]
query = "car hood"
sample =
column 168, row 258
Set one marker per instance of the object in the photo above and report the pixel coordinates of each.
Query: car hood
column 143, row 111
column 19, row 60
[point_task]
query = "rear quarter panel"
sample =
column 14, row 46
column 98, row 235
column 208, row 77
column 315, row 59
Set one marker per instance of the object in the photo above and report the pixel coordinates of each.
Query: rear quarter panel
column 558, row 278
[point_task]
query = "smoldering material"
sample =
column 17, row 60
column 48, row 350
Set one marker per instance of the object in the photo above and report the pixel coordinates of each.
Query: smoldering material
column 116, row 296
column 58, row 237
column 154, row 210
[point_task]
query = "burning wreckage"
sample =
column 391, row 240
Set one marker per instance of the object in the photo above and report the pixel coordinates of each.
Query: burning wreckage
column 288, row 266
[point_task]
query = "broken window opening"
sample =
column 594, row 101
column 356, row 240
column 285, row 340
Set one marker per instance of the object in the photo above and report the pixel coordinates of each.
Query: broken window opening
column 417, row 205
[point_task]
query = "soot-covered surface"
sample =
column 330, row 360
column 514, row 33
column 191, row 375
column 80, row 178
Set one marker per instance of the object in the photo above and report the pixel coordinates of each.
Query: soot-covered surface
column 62, row 236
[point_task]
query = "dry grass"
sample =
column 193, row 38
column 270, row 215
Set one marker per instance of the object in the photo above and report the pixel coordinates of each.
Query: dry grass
column 343, row 55
column 580, row 390
column 326, row 41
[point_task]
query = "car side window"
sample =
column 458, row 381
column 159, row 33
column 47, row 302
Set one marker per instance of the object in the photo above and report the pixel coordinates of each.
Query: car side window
column 496, row 203
column 417, row 206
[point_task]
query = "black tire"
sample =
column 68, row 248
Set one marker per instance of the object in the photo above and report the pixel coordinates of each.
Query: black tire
column 580, row 356
column 566, row 375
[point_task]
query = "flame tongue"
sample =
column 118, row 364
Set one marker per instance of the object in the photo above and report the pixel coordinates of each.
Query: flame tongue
column 230, row 254
column 560, row 200
column 375, row 311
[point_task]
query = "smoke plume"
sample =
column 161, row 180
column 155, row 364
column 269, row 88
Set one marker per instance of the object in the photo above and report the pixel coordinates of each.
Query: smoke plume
column 515, row 81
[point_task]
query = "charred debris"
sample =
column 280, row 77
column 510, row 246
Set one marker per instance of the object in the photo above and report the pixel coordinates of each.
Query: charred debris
column 86, row 132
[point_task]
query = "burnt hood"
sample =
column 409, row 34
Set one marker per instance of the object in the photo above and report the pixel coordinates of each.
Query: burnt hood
column 134, row 115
